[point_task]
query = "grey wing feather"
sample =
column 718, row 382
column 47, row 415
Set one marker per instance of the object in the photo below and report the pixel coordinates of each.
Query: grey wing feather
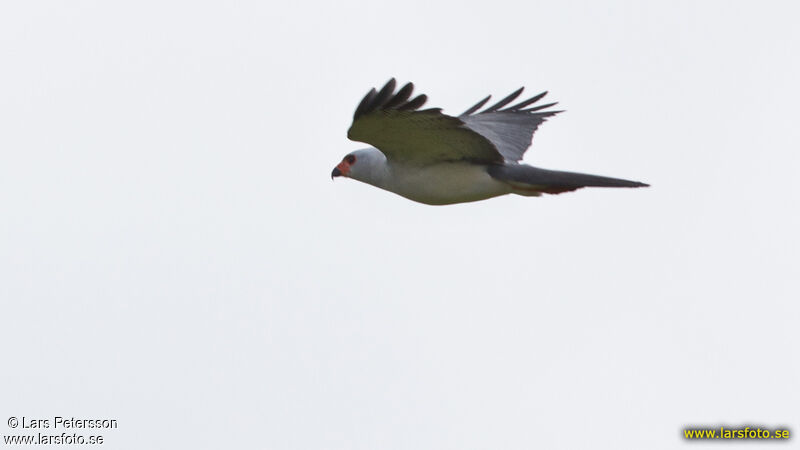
column 510, row 129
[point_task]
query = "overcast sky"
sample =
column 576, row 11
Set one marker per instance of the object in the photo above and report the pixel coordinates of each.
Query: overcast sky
column 174, row 254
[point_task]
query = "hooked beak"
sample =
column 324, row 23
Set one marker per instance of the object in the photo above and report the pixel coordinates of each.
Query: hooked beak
column 341, row 170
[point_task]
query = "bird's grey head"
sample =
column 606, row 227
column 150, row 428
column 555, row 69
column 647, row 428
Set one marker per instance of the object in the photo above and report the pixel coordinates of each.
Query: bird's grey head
column 363, row 165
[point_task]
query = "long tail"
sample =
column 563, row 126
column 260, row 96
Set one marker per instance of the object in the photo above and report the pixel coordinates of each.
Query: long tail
column 529, row 180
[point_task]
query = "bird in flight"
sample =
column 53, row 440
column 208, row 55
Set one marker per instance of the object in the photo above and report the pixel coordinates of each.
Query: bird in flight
column 437, row 159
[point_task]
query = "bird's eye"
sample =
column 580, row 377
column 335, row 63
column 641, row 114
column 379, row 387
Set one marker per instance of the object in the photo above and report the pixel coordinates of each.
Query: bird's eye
column 350, row 159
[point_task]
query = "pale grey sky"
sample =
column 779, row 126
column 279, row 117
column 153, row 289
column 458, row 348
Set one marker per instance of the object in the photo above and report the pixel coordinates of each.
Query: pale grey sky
column 174, row 255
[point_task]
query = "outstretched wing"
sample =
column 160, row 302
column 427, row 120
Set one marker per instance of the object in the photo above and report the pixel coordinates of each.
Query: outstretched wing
column 511, row 129
column 404, row 133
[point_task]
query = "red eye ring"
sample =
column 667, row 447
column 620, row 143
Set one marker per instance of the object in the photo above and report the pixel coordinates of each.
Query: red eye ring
column 350, row 159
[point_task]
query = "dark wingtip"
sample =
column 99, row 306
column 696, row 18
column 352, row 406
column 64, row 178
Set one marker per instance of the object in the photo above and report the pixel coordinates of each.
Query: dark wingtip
column 401, row 97
column 416, row 103
column 365, row 104
column 384, row 94
column 527, row 102
column 386, row 99
column 540, row 107
column 510, row 98
column 547, row 113
column 476, row 106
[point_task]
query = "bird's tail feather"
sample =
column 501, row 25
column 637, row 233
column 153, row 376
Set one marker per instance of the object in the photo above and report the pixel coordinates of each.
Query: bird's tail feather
column 529, row 180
